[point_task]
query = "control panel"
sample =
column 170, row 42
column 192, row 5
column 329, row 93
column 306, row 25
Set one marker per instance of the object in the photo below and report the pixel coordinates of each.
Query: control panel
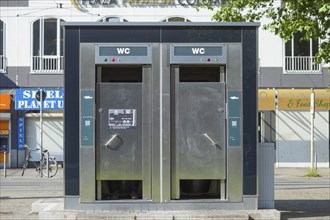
column 110, row 54
column 200, row 54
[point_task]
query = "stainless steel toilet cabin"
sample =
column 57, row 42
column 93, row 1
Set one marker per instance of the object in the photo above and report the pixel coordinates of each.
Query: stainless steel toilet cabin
column 160, row 116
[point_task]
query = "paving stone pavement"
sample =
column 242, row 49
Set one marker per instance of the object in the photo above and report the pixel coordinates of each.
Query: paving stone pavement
column 17, row 193
column 297, row 197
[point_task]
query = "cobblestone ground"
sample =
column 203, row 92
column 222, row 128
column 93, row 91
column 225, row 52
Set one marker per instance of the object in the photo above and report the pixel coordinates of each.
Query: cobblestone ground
column 297, row 197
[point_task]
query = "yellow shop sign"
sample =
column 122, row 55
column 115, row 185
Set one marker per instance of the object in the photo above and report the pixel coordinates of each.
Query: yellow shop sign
column 299, row 99
column 266, row 99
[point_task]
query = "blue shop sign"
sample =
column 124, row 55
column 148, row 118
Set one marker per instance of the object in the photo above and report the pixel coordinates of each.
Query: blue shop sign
column 21, row 137
column 26, row 99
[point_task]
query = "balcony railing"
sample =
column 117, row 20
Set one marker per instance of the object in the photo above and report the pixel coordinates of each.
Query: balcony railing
column 301, row 64
column 2, row 64
column 47, row 64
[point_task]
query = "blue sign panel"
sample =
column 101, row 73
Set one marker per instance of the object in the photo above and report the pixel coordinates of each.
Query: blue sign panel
column 26, row 99
column 87, row 118
column 20, row 136
column 234, row 119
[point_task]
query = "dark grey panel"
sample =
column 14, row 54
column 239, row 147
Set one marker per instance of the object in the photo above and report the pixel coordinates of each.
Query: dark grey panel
column 163, row 24
column 305, row 80
column 200, row 34
column 45, row 80
column 270, row 77
column 21, row 76
column 250, row 111
column 14, row 3
column 119, row 34
column 15, row 75
column 71, row 112
column 6, row 81
column 273, row 77
column 326, row 76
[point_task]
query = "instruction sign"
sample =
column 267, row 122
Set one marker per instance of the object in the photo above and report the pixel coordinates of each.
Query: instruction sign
column 122, row 118
column 234, row 118
column 87, row 118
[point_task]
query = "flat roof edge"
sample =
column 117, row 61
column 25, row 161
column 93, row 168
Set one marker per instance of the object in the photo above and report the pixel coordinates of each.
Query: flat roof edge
column 165, row 24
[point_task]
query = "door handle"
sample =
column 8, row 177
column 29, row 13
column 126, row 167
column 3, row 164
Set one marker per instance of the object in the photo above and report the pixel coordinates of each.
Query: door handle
column 113, row 142
column 212, row 141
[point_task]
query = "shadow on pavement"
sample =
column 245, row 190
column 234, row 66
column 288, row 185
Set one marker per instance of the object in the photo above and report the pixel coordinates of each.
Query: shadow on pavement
column 303, row 208
column 30, row 197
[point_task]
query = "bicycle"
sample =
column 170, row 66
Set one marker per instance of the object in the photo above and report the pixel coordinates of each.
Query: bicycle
column 52, row 163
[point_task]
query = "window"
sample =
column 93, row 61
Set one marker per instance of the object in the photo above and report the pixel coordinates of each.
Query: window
column 300, row 55
column 112, row 19
column 47, row 49
column 175, row 19
column 2, row 48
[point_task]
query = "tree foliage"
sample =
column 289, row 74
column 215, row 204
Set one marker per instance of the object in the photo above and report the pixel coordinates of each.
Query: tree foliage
column 309, row 17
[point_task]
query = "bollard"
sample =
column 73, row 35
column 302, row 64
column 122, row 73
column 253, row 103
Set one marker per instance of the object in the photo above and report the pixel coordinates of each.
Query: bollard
column 315, row 162
column 4, row 163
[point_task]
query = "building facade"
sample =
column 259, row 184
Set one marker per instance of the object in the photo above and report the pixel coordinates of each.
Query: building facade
column 31, row 58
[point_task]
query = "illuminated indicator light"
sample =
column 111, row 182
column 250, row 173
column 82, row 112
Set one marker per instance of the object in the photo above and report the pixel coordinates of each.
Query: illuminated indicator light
column 208, row 59
column 113, row 60
column 216, row 59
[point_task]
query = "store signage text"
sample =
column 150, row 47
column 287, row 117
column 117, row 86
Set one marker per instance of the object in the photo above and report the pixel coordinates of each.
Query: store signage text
column 21, row 137
column 300, row 103
column 26, row 99
column 300, row 99
column 82, row 4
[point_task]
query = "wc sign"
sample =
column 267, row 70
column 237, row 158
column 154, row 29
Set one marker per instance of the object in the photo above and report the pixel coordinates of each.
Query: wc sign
column 198, row 50
column 123, row 51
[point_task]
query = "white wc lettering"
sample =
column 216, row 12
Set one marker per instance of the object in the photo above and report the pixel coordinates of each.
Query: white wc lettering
column 123, row 50
column 198, row 50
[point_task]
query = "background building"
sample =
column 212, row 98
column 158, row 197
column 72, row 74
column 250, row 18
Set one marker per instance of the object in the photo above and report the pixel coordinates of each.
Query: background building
column 31, row 57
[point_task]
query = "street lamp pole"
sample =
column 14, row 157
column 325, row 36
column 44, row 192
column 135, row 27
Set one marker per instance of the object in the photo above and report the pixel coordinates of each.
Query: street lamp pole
column 41, row 132
column 41, row 96
column 312, row 127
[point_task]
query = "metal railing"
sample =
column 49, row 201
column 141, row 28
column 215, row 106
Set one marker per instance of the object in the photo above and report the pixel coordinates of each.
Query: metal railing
column 301, row 64
column 2, row 64
column 47, row 64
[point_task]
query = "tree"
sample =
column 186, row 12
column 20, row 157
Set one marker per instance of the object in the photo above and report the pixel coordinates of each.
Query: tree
column 311, row 18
